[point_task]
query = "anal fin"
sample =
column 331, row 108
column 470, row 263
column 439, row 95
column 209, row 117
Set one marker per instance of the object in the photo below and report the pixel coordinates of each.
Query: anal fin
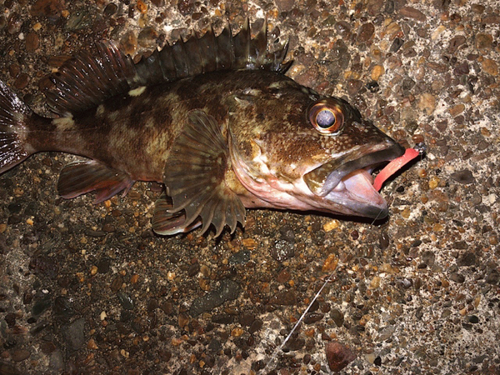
column 83, row 177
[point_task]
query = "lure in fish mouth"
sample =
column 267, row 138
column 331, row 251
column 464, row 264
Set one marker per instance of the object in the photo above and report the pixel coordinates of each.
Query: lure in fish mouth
column 349, row 180
column 214, row 119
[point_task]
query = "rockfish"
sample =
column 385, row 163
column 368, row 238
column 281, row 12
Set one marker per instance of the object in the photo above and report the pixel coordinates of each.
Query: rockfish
column 215, row 120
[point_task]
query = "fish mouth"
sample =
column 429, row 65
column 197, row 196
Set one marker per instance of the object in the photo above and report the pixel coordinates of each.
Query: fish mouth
column 347, row 182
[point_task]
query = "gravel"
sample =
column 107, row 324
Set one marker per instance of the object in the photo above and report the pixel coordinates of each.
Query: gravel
column 90, row 289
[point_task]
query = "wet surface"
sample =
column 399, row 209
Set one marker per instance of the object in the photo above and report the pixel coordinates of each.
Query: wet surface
column 90, row 289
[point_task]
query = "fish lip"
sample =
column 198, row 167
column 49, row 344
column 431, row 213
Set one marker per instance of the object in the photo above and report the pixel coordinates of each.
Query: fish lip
column 333, row 172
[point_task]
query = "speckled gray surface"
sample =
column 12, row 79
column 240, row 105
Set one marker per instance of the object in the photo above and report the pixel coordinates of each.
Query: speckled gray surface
column 89, row 289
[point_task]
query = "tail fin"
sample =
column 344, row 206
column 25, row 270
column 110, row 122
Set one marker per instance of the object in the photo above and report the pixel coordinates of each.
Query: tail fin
column 13, row 115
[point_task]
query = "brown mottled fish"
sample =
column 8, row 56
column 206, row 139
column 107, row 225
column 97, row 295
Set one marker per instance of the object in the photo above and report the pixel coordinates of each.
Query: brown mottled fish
column 215, row 120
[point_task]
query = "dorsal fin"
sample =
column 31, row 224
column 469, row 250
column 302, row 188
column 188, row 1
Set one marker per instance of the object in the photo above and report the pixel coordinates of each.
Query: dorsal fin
column 88, row 79
column 211, row 53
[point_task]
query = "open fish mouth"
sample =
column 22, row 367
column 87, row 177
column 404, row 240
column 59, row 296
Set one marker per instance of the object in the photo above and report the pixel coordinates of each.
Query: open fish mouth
column 347, row 180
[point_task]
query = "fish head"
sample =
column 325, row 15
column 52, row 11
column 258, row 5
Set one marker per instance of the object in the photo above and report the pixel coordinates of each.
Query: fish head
column 298, row 150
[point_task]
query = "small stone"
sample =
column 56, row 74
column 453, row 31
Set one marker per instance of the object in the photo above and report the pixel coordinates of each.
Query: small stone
column 108, row 228
column 246, row 320
column 456, row 110
column 110, row 9
column 129, row 43
column 353, row 86
column 22, row 81
column 438, row 68
column 467, row 259
column 437, row 32
column 313, row 317
column 455, row 43
column 427, row 103
column 338, row 356
column 433, row 182
column 20, row 355
column 284, row 298
column 125, row 300
column 237, row 332
column 410, row 12
column 92, row 345
column 343, row 28
column 141, row 6
column 193, row 269
column 331, row 225
column 462, row 69
column 74, row 334
column 493, row 239
column 47, row 8
column 493, row 277
column 484, row 41
column 147, row 37
column 386, row 333
column 296, row 343
column 377, row 72
column 104, row 265
column 396, row 45
column 477, row 8
column 366, row 32
column 255, row 326
column 228, row 290
column 134, row 279
column 32, row 42
column 285, row 5
column 284, row 276
column 473, row 319
column 185, row 7
column 330, row 263
column 490, row 67
column 116, row 284
column 375, row 283
column 337, row 316
column 463, row 177
column 14, row 70
column 384, row 240
column 491, row 18
column 282, row 250
column 7, row 369
column 183, row 320
column 456, row 277
column 249, row 243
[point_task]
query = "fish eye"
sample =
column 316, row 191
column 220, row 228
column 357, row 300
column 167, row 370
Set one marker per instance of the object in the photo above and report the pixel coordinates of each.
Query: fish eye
column 325, row 118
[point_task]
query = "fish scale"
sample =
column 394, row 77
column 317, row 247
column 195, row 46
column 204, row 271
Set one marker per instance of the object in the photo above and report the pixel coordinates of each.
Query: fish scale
column 214, row 119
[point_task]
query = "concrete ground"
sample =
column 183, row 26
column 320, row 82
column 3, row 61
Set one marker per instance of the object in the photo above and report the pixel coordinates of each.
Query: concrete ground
column 90, row 289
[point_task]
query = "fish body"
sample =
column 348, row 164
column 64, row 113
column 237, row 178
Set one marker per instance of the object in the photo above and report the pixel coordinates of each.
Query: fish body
column 215, row 120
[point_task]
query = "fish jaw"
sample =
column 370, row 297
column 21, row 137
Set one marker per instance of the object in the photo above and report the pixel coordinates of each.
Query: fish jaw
column 342, row 186
column 347, row 180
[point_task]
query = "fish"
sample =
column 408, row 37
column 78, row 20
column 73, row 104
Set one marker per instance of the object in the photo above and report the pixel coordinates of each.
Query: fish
column 216, row 120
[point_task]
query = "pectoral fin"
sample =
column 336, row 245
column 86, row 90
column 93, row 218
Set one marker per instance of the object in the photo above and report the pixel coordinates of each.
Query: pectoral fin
column 195, row 176
column 167, row 223
column 83, row 177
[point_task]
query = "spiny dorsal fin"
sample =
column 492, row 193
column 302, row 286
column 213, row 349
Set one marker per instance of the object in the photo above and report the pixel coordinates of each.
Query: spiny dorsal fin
column 211, row 53
column 88, row 79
